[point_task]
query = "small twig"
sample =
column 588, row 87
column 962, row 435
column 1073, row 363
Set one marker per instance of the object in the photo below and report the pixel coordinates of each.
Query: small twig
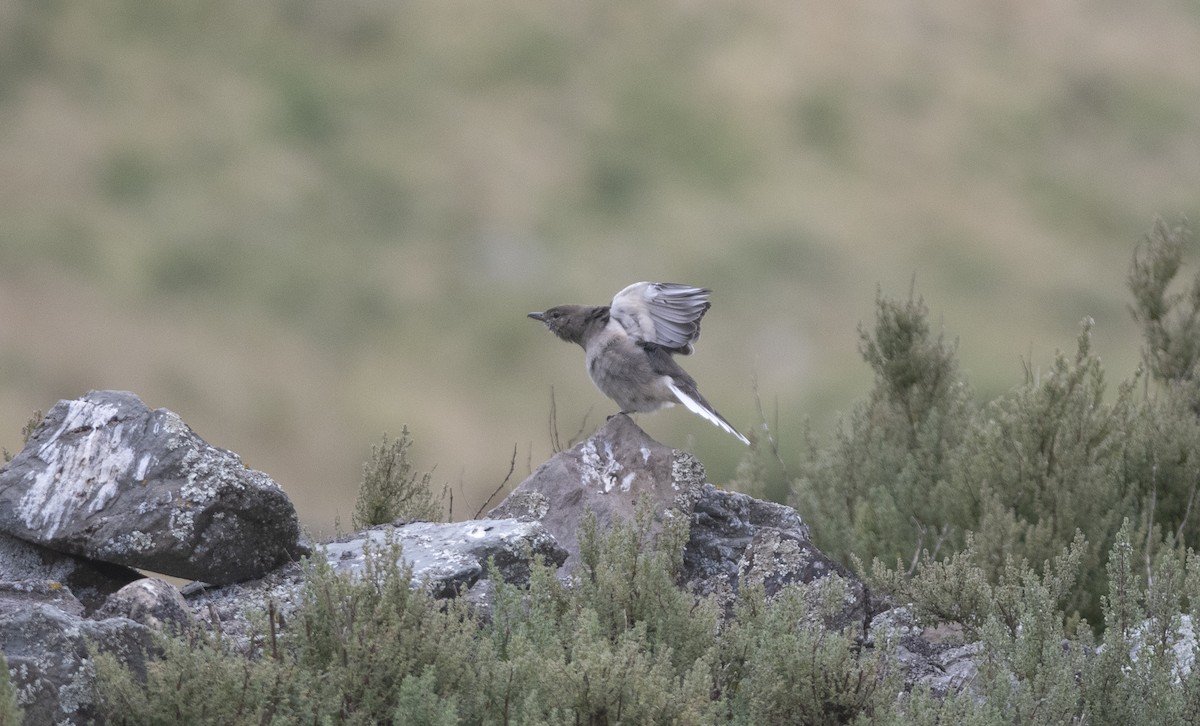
column 1187, row 512
column 912, row 567
column 555, row 444
column 582, row 426
column 941, row 539
column 772, row 442
column 512, row 465
column 1150, row 520
column 272, row 614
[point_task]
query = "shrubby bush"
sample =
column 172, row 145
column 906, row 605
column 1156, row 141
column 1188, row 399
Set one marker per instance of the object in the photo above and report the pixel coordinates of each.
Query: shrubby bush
column 390, row 489
column 918, row 465
column 621, row 644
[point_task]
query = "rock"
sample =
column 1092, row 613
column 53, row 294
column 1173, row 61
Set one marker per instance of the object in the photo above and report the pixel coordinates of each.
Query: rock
column 733, row 536
column 90, row 581
column 778, row 558
column 155, row 603
column 447, row 559
column 46, row 644
column 606, row 474
column 724, row 524
column 106, row 478
column 1181, row 643
column 934, row 658
column 481, row 600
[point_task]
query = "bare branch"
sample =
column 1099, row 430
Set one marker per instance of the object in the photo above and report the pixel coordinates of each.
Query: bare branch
column 512, row 465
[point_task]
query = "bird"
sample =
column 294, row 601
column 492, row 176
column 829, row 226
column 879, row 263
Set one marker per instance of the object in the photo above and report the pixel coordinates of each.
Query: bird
column 630, row 346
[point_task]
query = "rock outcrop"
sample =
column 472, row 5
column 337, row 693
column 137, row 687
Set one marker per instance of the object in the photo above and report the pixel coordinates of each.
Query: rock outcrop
column 46, row 641
column 604, row 475
column 104, row 485
column 732, row 537
column 106, row 478
column 446, row 559
column 90, row 581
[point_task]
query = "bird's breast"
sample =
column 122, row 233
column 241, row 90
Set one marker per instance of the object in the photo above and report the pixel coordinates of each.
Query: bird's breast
column 620, row 369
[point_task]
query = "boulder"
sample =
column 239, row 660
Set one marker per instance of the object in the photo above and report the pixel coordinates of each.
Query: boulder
column 449, row 558
column 46, row 643
column 105, row 477
column 732, row 537
column 446, row 559
column 934, row 658
column 90, row 581
column 155, row 603
column 604, row 475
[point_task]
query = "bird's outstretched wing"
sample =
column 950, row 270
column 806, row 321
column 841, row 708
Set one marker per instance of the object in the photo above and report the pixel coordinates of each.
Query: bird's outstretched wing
column 663, row 313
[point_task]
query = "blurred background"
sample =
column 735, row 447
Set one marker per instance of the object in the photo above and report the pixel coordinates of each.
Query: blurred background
column 301, row 224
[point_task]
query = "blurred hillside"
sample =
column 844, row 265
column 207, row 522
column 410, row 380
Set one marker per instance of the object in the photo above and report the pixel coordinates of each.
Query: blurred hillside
column 301, row 224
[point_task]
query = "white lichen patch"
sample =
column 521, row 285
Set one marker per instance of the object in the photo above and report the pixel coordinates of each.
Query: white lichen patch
column 142, row 467
column 135, row 541
column 80, row 474
column 182, row 524
column 598, row 468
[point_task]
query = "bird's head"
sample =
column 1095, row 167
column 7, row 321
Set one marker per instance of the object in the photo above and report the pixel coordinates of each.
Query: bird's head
column 568, row 322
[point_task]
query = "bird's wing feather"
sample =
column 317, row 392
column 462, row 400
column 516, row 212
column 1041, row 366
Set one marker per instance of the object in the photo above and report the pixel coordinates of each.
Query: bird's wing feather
column 685, row 389
column 705, row 410
column 663, row 313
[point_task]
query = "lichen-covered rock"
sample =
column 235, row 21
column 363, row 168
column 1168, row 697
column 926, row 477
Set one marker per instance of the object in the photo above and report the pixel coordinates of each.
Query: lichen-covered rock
column 46, row 643
column 724, row 524
column 449, row 558
column 90, row 581
column 155, row 603
column 446, row 559
column 107, row 478
column 605, row 475
column 778, row 558
column 733, row 537
column 927, row 658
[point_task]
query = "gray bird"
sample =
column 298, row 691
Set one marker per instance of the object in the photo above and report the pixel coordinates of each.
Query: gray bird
column 630, row 342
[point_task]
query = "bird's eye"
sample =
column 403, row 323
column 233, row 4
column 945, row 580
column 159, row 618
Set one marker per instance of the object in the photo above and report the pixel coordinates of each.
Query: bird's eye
column 554, row 315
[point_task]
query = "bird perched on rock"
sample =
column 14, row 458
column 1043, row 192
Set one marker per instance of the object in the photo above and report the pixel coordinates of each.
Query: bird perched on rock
column 630, row 342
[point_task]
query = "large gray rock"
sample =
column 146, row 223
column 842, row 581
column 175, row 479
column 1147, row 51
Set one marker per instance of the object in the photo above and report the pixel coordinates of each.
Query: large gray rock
column 104, row 477
column 46, row 643
column 934, row 658
column 449, row 558
column 155, row 603
column 733, row 537
column 446, row 559
column 606, row 475
column 90, row 581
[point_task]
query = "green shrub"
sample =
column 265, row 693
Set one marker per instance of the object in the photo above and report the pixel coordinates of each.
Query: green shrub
column 879, row 489
column 390, row 489
column 622, row 643
column 918, row 464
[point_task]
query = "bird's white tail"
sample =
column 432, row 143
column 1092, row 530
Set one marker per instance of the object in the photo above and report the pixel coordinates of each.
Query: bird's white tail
column 700, row 409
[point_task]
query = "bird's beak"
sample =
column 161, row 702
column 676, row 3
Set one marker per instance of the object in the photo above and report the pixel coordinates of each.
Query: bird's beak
column 538, row 316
